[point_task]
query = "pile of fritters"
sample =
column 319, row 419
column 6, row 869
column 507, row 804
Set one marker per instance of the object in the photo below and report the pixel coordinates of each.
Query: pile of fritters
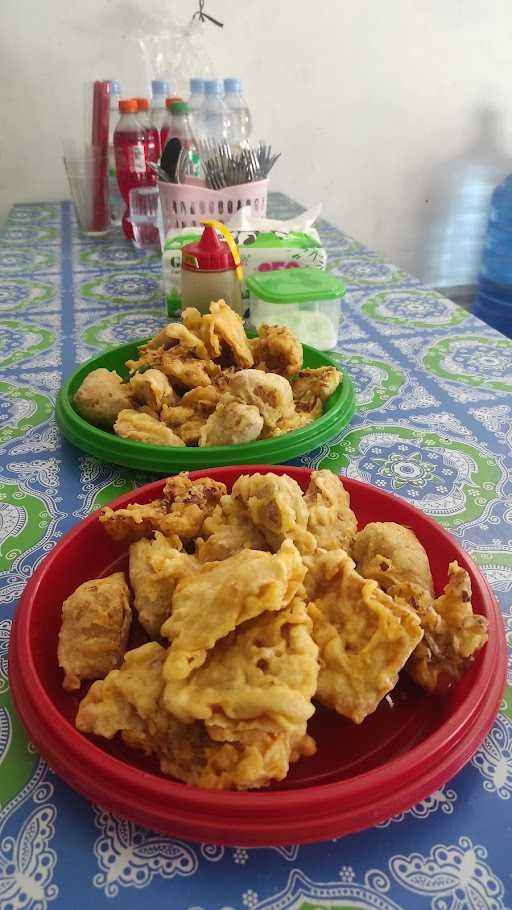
column 251, row 604
column 202, row 382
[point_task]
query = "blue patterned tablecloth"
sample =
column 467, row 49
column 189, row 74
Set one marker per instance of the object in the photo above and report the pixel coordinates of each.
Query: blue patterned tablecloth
column 434, row 425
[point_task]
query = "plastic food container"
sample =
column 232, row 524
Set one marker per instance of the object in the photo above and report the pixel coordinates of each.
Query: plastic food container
column 307, row 301
column 361, row 774
column 338, row 412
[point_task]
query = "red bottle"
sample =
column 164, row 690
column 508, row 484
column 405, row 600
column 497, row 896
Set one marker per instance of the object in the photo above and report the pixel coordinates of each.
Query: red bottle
column 152, row 141
column 130, row 155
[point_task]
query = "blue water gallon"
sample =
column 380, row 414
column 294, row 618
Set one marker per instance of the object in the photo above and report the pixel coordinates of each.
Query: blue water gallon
column 493, row 303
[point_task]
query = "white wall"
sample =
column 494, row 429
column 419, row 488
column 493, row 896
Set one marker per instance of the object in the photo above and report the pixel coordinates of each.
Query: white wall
column 394, row 113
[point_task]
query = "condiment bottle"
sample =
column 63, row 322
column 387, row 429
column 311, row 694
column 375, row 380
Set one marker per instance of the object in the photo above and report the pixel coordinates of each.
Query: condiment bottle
column 209, row 272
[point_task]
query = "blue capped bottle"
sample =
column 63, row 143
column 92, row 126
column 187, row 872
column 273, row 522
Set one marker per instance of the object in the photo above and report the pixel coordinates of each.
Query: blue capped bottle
column 493, row 303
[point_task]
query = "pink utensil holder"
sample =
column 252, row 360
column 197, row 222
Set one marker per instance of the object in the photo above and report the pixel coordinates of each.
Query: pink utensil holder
column 184, row 205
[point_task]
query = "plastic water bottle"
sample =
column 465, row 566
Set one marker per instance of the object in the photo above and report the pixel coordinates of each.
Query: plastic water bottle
column 195, row 103
column 241, row 122
column 493, row 302
column 164, row 130
column 115, row 199
column 151, row 137
column 159, row 92
column 188, row 162
column 214, row 117
column 130, row 154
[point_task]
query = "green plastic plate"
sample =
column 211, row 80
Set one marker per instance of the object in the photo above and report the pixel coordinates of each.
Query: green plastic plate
column 338, row 412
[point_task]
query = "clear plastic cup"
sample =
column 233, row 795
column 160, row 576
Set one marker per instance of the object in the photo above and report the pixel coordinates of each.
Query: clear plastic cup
column 145, row 217
column 87, row 174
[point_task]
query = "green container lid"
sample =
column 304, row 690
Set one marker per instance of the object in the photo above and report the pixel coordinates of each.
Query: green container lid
column 338, row 412
column 295, row 286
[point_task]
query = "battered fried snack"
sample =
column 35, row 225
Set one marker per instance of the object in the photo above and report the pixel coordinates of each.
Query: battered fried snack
column 261, row 677
column 151, row 389
column 173, row 334
column 226, row 326
column 101, row 396
column 331, row 520
column 96, row 621
column 311, row 388
column 180, row 512
column 128, row 701
column 270, row 393
column 297, row 421
column 391, row 554
column 276, row 350
column 231, row 423
column 453, row 634
column 364, row 636
column 276, row 507
column 143, row 427
column 235, row 590
column 228, row 531
column 156, row 566
column 186, row 371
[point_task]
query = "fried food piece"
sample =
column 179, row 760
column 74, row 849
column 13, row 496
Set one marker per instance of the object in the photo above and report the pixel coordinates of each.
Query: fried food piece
column 276, row 507
column 156, row 566
column 270, row 393
column 312, row 388
column 331, row 520
column 364, row 636
column 180, row 513
column 222, row 332
column 277, row 350
column 228, row 531
column 128, row 701
column 202, row 400
column 297, row 421
column 221, row 595
column 453, row 634
column 96, row 621
column 151, row 389
column 231, row 423
column 173, row 334
column 391, row 554
column 261, row 677
column 185, row 422
column 101, row 396
column 186, row 371
column 144, row 428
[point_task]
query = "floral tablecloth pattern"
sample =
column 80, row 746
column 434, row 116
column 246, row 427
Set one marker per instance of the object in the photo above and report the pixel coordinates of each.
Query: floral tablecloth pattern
column 434, row 425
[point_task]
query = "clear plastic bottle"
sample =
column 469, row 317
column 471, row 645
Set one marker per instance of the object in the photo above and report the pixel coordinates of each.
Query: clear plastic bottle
column 151, row 137
column 241, row 121
column 116, row 203
column 159, row 92
column 130, row 154
column 493, row 302
column 195, row 103
column 214, row 118
column 164, row 130
column 188, row 163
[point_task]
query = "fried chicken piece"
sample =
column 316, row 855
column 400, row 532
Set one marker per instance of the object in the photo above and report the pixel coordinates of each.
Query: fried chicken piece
column 96, row 621
column 453, row 634
column 331, row 520
column 364, row 636
column 277, row 350
column 151, row 389
column 312, row 388
column 129, row 702
column 231, row 423
column 270, row 393
column 156, row 566
column 228, row 328
column 391, row 553
column 276, row 507
column 173, row 334
column 101, row 397
column 228, row 531
column 261, row 677
column 144, row 428
column 221, row 595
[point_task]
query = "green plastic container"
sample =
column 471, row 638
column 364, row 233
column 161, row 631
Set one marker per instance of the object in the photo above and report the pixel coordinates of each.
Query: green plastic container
column 307, row 301
column 339, row 410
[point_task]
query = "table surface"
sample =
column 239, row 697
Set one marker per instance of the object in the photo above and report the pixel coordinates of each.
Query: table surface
column 434, row 425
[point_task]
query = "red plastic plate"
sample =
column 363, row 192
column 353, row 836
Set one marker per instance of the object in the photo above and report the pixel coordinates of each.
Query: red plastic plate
column 360, row 776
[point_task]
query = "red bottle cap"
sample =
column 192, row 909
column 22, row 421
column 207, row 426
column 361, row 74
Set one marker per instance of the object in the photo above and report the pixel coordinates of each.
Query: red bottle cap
column 209, row 254
column 129, row 106
column 142, row 104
